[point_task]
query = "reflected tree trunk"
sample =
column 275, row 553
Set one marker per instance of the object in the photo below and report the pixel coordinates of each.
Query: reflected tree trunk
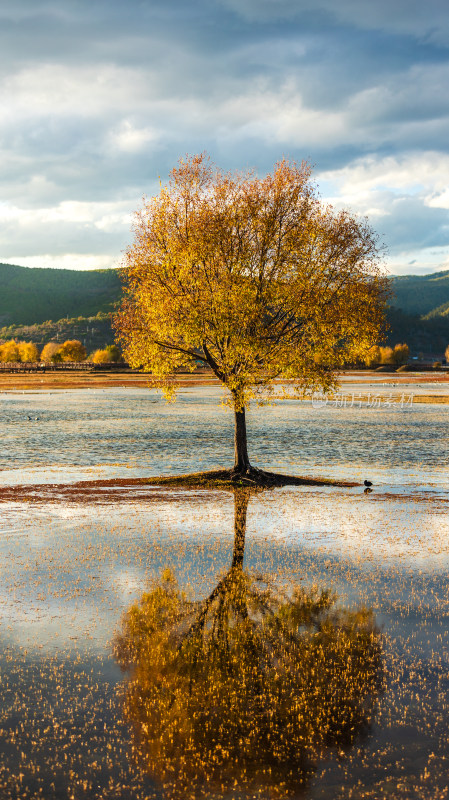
column 241, row 500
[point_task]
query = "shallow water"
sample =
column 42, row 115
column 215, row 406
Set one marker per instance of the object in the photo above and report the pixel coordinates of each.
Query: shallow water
column 71, row 435
column 68, row 571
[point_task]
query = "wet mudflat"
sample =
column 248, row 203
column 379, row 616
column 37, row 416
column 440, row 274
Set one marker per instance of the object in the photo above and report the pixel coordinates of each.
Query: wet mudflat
column 76, row 722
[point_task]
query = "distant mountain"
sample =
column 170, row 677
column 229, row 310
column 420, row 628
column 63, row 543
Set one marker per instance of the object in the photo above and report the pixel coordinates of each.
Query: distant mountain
column 418, row 315
column 422, row 294
column 30, row 296
column 427, row 335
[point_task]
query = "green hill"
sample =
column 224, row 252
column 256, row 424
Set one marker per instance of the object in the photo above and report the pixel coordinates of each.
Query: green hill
column 30, row 296
column 419, row 312
column 428, row 335
column 81, row 302
column 421, row 294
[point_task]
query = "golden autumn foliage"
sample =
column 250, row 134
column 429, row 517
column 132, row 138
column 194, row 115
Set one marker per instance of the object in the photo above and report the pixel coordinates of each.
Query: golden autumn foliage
column 249, row 688
column 110, row 354
column 49, row 352
column 9, row 352
column 253, row 277
column 28, row 352
column 100, row 357
column 13, row 351
column 72, row 350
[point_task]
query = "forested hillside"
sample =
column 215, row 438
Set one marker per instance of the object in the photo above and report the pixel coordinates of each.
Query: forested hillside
column 93, row 332
column 421, row 294
column 419, row 312
column 52, row 304
column 29, row 296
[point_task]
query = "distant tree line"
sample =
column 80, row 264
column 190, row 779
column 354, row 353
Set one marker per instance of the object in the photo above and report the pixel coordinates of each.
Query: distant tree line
column 397, row 356
column 72, row 350
column 94, row 332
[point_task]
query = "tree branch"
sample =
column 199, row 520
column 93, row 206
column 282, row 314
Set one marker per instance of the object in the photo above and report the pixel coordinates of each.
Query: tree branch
column 212, row 363
column 178, row 349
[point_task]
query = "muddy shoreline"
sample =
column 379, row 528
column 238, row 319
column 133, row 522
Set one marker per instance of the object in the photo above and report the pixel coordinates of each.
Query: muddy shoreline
column 148, row 489
column 100, row 380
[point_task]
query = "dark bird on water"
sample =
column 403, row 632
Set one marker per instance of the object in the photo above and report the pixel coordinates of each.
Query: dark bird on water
column 367, row 483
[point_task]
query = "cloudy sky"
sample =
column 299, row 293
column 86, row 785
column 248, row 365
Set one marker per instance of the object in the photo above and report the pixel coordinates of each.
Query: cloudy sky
column 99, row 99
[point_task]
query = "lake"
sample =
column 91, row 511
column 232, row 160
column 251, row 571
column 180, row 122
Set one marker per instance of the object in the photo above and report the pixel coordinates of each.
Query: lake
column 71, row 570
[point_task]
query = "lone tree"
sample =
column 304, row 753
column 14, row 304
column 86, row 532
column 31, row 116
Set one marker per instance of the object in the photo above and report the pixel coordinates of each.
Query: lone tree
column 253, row 277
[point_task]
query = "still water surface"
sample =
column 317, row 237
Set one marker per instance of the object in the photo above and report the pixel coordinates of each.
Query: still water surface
column 66, row 435
column 69, row 571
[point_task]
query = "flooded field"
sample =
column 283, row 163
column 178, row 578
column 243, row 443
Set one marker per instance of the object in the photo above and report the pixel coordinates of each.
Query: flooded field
column 288, row 643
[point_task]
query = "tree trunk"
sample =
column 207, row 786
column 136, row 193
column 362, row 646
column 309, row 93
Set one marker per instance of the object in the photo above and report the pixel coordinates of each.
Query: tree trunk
column 241, row 460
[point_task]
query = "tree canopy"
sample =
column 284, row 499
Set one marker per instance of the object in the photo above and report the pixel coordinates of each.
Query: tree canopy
column 254, row 277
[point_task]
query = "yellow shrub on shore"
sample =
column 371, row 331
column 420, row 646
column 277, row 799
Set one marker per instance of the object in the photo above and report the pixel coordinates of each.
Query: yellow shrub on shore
column 386, row 355
column 101, row 357
column 28, row 352
column 9, row 352
column 72, row 350
column 401, row 354
column 50, row 351
column 110, row 354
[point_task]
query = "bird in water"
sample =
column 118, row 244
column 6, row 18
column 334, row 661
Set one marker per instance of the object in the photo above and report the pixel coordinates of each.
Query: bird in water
column 368, row 483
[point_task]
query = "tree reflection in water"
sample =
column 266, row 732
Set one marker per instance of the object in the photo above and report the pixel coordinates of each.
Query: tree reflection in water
column 240, row 695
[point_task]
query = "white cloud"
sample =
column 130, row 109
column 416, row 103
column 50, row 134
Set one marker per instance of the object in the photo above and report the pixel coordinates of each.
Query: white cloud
column 64, row 90
column 99, row 100
column 419, row 262
column 100, row 215
column 411, row 172
column 440, row 199
column 279, row 116
column 405, row 198
column 66, row 261
column 82, row 235
column 131, row 139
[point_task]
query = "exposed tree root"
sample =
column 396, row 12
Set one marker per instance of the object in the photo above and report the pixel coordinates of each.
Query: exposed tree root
column 124, row 489
column 251, row 477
